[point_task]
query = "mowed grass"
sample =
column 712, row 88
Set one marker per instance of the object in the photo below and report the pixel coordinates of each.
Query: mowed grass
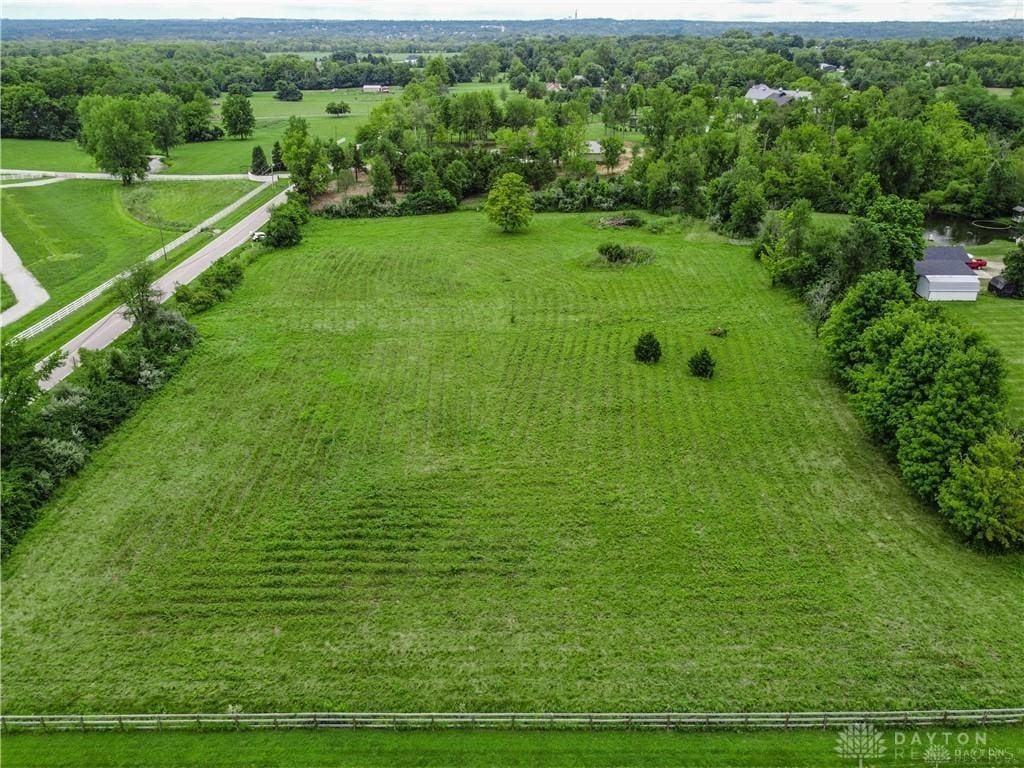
column 74, row 235
column 42, row 155
column 7, row 297
column 618, row 749
column 413, row 466
column 1002, row 321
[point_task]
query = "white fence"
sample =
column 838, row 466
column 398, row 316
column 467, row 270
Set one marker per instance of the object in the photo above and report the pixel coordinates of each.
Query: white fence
column 507, row 720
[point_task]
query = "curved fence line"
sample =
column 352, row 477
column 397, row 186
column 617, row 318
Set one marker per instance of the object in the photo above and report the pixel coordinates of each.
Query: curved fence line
column 526, row 720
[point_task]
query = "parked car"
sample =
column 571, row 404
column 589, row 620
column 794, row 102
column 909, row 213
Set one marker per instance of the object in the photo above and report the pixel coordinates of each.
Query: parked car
column 257, row 236
column 977, row 263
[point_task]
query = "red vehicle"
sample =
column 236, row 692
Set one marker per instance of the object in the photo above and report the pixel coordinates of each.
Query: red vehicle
column 977, row 263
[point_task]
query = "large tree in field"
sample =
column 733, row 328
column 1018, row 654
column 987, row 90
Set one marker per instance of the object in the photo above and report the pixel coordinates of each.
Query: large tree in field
column 115, row 133
column 509, row 203
column 163, row 119
column 305, row 158
column 236, row 113
column 611, row 149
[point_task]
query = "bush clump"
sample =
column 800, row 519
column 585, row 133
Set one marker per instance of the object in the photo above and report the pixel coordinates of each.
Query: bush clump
column 702, row 364
column 615, row 253
column 285, row 226
column 984, row 495
column 647, row 349
column 211, row 287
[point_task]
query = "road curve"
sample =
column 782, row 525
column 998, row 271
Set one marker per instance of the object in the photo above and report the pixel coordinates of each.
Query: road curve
column 28, row 291
column 105, row 331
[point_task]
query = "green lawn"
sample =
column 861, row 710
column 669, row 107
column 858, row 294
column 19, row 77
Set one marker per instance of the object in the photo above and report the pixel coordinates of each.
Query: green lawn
column 1002, row 320
column 42, row 155
column 423, row 749
column 74, row 235
column 413, row 466
column 7, row 297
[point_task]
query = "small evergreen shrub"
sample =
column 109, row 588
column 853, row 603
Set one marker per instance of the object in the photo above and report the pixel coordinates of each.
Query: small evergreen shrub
column 702, row 364
column 647, row 349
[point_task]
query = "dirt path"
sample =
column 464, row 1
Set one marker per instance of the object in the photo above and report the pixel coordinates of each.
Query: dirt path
column 28, row 291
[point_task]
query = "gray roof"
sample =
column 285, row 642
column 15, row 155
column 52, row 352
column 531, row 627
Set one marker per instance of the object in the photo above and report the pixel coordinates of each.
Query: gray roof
column 948, row 267
column 946, row 253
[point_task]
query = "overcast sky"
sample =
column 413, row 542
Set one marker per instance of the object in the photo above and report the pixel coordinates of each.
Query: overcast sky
column 724, row 10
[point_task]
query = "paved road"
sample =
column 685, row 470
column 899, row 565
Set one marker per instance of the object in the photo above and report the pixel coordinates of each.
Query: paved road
column 27, row 290
column 113, row 325
column 34, row 182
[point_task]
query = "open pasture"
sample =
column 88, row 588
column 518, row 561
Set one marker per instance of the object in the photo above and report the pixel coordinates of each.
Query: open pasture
column 74, row 235
column 1002, row 321
column 413, row 466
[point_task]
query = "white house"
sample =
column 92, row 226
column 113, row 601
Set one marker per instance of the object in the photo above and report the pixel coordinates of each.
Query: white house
column 943, row 275
column 781, row 96
column 375, row 89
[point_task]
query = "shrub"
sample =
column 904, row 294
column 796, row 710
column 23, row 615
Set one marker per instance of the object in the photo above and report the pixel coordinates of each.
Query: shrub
column 614, row 253
column 647, row 349
column 212, row 286
column 285, row 226
column 702, row 364
column 420, row 203
column 984, row 495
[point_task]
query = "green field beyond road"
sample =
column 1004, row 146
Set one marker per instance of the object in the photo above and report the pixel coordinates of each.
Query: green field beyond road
column 74, row 235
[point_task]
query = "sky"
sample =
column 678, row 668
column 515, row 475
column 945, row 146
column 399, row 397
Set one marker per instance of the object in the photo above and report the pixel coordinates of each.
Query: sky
column 720, row 10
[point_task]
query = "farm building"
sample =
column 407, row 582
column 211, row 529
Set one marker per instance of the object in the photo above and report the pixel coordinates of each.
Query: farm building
column 780, row 96
column 375, row 89
column 943, row 275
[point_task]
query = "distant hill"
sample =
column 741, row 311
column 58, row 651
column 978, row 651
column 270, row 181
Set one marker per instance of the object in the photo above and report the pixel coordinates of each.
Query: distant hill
column 455, row 31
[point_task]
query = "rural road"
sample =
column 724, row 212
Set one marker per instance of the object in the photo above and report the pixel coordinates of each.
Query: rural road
column 105, row 331
column 34, row 182
column 27, row 290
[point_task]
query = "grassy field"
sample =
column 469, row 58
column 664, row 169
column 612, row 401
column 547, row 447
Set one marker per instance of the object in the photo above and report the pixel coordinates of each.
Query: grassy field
column 1002, row 320
column 7, row 297
column 413, row 466
column 42, row 155
column 549, row 749
column 76, row 234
